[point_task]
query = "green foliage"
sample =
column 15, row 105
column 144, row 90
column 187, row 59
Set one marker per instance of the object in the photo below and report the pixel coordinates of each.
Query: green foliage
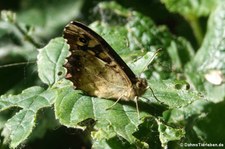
column 54, row 58
column 210, row 58
column 185, row 111
column 191, row 7
column 19, row 127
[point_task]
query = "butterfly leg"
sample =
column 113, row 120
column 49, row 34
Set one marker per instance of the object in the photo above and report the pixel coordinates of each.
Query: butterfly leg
column 137, row 108
column 114, row 103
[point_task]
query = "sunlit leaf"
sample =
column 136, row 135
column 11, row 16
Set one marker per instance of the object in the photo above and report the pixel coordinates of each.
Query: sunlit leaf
column 20, row 126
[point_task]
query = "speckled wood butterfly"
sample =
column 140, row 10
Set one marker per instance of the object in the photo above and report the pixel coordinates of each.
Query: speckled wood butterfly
column 96, row 68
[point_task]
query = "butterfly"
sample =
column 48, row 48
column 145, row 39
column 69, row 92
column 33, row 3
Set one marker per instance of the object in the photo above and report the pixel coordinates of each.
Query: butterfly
column 95, row 68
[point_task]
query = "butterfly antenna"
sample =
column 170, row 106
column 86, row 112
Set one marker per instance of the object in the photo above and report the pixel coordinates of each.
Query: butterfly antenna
column 154, row 94
column 152, row 58
column 16, row 64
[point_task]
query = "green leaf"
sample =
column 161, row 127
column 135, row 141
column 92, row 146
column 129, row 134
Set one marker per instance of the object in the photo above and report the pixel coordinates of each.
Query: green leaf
column 133, row 38
column 115, row 35
column 192, row 10
column 140, row 65
column 51, row 59
column 73, row 108
column 33, row 16
column 148, row 133
column 207, row 69
column 32, row 98
column 172, row 93
column 191, row 7
column 168, row 133
column 198, row 117
column 20, row 126
column 115, row 142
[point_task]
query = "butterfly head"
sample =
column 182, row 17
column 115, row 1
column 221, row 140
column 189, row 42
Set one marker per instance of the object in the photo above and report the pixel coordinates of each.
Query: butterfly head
column 140, row 86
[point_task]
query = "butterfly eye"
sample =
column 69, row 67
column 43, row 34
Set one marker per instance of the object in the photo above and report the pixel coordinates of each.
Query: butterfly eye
column 83, row 40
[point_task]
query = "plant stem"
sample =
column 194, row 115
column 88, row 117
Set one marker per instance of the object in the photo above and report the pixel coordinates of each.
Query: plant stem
column 28, row 37
column 194, row 23
column 16, row 64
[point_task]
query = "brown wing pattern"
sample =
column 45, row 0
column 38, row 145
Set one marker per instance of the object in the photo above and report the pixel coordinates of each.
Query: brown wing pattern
column 96, row 68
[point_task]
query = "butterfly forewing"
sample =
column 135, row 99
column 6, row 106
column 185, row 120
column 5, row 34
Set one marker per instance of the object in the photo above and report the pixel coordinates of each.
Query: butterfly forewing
column 96, row 68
